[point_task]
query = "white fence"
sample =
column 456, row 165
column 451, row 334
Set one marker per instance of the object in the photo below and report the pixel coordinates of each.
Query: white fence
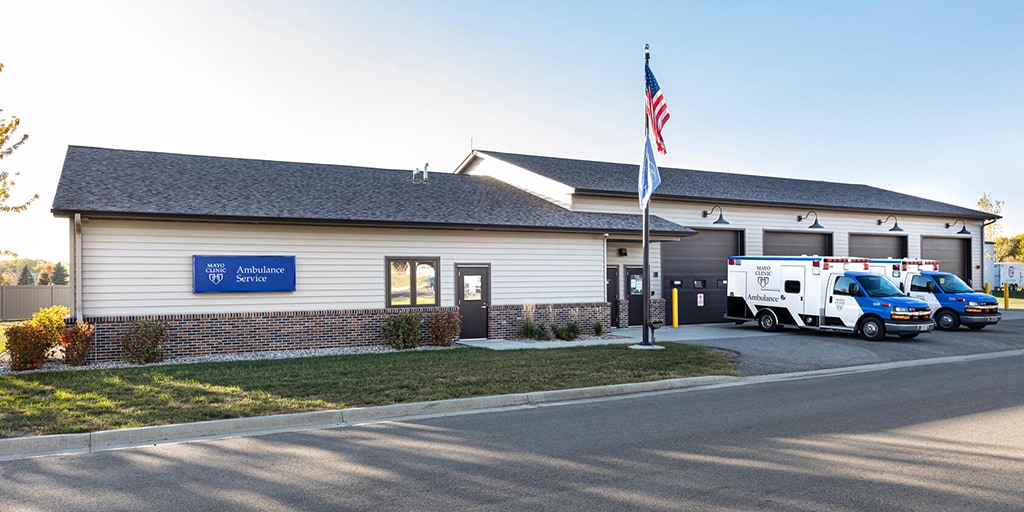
column 20, row 302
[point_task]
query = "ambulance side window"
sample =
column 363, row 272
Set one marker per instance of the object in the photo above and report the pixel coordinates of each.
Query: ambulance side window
column 842, row 286
column 919, row 284
column 792, row 286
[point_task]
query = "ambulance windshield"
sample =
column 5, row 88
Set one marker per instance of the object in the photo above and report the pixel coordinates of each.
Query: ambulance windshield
column 878, row 286
column 951, row 283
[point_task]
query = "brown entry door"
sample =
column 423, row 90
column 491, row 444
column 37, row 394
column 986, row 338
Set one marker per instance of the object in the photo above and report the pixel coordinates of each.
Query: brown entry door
column 473, row 295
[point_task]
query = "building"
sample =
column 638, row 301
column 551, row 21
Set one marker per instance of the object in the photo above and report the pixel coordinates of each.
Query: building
column 242, row 255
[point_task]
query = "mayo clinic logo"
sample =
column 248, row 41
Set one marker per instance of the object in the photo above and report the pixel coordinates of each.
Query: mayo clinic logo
column 216, row 271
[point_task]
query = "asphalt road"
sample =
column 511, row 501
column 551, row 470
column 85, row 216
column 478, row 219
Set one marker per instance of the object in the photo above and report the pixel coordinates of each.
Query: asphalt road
column 943, row 437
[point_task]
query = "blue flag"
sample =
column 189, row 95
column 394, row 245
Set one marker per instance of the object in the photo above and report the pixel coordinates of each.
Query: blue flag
column 649, row 176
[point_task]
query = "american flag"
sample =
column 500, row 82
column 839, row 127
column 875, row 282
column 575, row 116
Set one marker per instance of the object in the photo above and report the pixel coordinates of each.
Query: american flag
column 657, row 109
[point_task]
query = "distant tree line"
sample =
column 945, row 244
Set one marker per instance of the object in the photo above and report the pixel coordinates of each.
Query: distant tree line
column 26, row 271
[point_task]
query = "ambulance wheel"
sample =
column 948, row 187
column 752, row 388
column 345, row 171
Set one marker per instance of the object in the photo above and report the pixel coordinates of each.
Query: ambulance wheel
column 767, row 321
column 947, row 320
column 872, row 329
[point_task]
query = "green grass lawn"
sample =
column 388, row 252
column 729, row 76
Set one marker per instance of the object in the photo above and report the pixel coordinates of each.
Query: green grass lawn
column 92, row 400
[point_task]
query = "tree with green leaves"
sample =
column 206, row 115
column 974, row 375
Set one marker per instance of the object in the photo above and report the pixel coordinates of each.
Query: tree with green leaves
column 994, row 206
column 26, row 276
column 8, row 143
column 1009, row 248
column 60, row 274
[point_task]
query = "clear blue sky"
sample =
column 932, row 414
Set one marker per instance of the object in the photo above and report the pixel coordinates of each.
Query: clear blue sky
column 923, row 97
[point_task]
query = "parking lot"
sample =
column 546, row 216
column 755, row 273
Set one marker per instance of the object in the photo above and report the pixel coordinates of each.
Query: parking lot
column 791, row 350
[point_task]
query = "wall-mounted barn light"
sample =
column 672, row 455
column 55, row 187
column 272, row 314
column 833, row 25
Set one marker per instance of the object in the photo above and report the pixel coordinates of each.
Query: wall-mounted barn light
column 801, row 218
column 721, row 219
column 963, row 229
column 895, row 223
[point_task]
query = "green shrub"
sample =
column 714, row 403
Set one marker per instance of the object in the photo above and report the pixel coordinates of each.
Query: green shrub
column 51, row 320
column 27, row 344
column 572, row 330
column 444, row 328
column 529, row 328
column 77, row 342
column 402, row 331
column 598, row 328
column 568, row 333
column 146, row 342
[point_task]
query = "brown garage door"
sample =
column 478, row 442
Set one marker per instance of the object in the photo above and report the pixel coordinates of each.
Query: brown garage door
column 698, row 266
column 783, row 243
column 954, row 253
column 878, row 246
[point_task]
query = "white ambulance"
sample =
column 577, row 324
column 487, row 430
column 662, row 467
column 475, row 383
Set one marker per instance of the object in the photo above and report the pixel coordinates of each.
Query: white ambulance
column 821, row 293
column 953, row 302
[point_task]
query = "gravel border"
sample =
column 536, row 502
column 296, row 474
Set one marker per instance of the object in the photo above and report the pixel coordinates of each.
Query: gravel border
column 57, row 365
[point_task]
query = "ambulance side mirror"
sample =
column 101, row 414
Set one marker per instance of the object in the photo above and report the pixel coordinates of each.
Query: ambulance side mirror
column 854, row 290
column 931, row 287
column 901, row 288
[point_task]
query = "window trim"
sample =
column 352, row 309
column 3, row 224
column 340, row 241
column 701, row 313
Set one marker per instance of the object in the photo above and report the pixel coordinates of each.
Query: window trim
column 413, row 263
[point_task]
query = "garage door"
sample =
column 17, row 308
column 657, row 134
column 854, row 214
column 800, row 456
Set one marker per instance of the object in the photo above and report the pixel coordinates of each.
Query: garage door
column 697, row 266
column 954, row 253
column 782, row 243
column 878, row 246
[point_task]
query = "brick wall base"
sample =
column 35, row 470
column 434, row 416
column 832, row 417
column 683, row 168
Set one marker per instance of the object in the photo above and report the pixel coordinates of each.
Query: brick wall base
column 208, row 334
column 504, row 321
column 198, row 335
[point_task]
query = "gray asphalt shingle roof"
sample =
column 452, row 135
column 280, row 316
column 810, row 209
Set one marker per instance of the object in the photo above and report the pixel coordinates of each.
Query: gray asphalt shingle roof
column 613, row 178
column 143, row 184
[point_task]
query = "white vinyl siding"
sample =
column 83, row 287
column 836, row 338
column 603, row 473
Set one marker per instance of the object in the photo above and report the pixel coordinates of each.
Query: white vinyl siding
column 145, row 267
column 755, row 220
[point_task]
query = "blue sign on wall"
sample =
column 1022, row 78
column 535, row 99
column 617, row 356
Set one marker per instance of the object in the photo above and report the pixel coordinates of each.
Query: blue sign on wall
column 239, row 274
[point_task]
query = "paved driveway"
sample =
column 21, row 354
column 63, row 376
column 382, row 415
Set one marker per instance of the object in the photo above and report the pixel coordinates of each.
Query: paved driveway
column 793, row 350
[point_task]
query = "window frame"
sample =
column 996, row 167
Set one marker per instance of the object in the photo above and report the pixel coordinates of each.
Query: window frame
column 413, row 262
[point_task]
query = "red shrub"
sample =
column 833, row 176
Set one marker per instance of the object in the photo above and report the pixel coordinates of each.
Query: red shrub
column 27, row 343
column 444, row 328
column 77, row 342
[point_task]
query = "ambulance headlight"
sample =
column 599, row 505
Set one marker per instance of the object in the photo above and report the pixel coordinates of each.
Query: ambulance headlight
column 901, row 309
column 973, row 304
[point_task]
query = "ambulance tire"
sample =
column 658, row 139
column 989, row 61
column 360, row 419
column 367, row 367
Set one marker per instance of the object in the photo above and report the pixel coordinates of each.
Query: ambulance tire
column 872, row 329
column 947, row 320
column 767, row 320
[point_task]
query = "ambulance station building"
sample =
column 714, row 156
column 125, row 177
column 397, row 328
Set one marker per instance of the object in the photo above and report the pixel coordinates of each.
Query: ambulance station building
column 238, row 255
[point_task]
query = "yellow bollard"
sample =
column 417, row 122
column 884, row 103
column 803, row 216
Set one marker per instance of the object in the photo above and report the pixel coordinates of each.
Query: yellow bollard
column 1006, row 296
column 675, row 307
column 988, row 288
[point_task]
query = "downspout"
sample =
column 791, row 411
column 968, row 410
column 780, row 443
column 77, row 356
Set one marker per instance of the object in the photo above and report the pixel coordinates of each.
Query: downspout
column 76, row 267
column 983, row 226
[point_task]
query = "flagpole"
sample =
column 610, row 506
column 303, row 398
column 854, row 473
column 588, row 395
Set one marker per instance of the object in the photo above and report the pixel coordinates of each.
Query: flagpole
column 647, row 232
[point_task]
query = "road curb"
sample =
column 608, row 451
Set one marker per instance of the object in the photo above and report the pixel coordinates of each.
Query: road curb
column 40, row 446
